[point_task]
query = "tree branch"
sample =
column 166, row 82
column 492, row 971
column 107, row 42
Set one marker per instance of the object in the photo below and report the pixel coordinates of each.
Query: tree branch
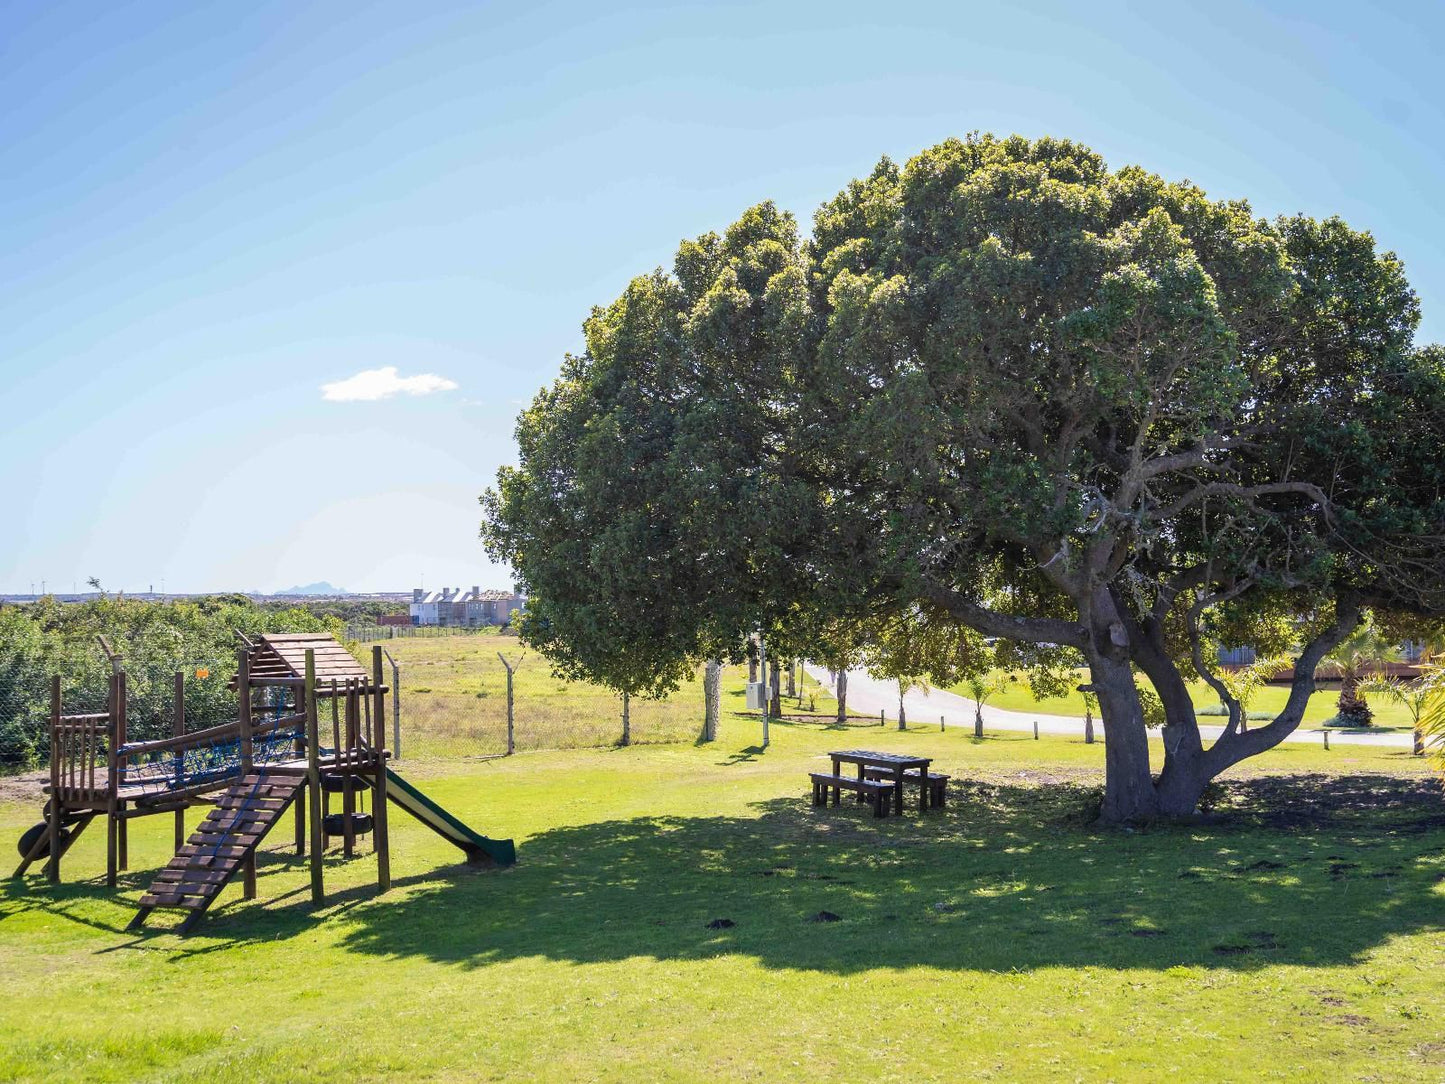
column 1037, row 630
column 1231, row 748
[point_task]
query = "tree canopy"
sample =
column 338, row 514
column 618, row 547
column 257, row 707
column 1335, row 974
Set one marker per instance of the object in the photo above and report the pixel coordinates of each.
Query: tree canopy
column 1004, row 389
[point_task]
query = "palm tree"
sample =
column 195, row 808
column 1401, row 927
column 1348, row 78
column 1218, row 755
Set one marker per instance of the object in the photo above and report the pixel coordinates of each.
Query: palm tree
column 980, row 687
column 1413, row 696
column 1356, row 653
column 1245, row 682
column 1430, row 723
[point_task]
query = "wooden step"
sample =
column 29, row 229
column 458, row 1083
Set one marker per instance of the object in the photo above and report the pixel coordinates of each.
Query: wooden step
column 225, row 838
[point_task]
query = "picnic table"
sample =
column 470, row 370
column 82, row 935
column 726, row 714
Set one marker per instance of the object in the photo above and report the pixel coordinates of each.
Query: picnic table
column 895, row 764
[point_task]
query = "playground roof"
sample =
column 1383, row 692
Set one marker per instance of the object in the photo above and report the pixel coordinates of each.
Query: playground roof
column 284, row 655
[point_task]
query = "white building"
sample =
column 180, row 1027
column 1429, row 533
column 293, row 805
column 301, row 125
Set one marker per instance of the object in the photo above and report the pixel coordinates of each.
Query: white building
column 452, row 607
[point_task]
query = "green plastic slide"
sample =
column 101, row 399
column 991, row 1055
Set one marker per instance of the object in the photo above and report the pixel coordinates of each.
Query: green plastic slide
column 480, row 850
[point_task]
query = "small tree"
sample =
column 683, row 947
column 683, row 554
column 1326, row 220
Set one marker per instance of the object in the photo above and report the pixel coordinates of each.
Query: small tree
column 1246, row 682
column 1430, row 724
column 1091, row 705
column 1413, row 696
column 1355, row 654
column 980, row 688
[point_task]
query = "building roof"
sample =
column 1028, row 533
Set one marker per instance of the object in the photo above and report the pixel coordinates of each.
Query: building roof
column 456, row 594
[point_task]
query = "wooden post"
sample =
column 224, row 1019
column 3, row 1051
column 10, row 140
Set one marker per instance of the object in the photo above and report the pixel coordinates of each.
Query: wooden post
column 1036, row 730
column 112, row 784
column 313, row 775
column 1327, row 740
column 52, row 865
column 179, row 729
column 117, row 775
column 243, row 720
column 301, row 800
column 243, row 714
column 378, row 812
column 345, row 749
column 941, row 726
column 881, row 720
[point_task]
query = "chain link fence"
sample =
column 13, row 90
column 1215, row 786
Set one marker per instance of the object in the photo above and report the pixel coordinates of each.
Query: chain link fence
column 452, row 702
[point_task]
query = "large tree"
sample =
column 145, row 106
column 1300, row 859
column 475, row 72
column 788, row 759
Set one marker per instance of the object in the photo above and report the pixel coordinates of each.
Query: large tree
column 1009, row 390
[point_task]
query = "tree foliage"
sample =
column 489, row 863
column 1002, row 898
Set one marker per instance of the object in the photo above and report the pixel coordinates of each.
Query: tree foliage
column 1002, row 389
column 156, row 639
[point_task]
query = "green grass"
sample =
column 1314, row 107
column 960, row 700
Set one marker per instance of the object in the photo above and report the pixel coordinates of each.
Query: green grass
column 1270, row 700
column 1001, row 938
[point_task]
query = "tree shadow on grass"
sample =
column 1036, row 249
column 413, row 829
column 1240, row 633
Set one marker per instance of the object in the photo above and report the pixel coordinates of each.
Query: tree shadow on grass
column 1303, row 870
column 1319, row 871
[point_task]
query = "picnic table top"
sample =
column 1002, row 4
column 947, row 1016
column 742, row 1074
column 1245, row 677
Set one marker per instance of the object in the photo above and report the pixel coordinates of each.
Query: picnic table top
column 868, row 756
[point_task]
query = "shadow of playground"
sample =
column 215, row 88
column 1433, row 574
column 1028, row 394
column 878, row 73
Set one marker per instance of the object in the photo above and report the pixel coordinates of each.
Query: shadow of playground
column 1303, row 870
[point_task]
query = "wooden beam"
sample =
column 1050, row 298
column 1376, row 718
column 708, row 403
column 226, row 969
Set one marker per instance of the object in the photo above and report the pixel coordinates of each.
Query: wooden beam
column 380, row 836
column 313, row 779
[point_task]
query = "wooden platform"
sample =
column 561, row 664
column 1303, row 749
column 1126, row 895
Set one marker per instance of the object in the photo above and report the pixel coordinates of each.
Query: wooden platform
column 220, row 845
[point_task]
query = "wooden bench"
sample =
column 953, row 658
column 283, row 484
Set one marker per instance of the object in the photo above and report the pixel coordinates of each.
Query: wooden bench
column 937, row 783
column 874, row 792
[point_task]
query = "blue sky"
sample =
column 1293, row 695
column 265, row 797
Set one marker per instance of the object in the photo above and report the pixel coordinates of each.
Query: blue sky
column 208, row 212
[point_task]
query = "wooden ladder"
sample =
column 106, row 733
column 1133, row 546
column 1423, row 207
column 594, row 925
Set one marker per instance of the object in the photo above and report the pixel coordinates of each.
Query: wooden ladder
column 219, row 846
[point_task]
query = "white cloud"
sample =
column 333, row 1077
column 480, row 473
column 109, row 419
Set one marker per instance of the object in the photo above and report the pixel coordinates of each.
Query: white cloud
column 372, row 384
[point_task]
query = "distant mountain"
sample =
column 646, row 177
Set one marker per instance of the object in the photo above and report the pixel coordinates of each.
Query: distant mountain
column 319, row 588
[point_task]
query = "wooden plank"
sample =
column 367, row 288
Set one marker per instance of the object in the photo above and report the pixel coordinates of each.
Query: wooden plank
column 189, row 903
column 195, row 877
column 192, row 851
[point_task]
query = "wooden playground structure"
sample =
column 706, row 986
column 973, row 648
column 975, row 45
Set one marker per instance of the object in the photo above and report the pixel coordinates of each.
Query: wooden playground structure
column 294, row 694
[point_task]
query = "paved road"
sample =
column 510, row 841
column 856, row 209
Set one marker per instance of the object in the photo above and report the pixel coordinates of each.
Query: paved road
column 868, row 695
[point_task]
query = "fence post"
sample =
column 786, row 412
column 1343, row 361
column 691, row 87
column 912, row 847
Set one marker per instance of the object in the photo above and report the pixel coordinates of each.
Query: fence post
column 395, row 706
column 1036, row 730
column 511, row 733
column 1327, row 740
column 881, row 721
column 940, row 723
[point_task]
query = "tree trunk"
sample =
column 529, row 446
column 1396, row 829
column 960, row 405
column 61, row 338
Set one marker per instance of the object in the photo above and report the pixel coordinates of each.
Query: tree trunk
column 1419, row 741
column 1352, row 706
column 712, row 697
column 752, row 669
column 626, row 719
column 902, row 716
column 1088, row 726
column 792, row 679
column 775, row 707
column 978, row 718
column 1128, row 786
column 841, row 691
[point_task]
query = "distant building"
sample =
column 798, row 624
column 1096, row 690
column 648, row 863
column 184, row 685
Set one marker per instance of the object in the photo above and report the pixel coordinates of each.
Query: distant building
column 454, row 608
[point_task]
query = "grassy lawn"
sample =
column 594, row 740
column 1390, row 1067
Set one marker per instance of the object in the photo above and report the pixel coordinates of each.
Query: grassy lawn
column 454, row 700
column 1271, row 699
column 1001, row 938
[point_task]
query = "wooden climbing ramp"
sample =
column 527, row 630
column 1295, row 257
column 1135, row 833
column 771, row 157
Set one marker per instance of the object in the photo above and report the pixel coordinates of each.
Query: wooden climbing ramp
column 223, row 843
